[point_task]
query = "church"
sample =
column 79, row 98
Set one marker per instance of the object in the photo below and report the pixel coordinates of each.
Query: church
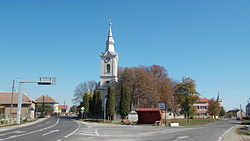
column 109, row 66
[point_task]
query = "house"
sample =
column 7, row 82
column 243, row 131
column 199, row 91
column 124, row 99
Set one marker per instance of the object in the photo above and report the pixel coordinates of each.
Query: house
column 202, row 108
column 62, row 109
column 47, row 100
column 9, row 112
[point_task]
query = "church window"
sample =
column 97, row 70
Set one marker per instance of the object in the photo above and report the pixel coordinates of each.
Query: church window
column 108, row 68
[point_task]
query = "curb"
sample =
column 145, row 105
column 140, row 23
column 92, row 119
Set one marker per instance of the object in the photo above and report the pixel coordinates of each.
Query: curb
column 22, row 125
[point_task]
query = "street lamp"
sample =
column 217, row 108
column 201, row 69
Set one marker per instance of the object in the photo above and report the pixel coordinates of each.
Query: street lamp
column 41, row 81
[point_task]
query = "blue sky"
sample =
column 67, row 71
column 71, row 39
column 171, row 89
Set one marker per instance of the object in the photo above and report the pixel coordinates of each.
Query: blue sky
column 208, row 41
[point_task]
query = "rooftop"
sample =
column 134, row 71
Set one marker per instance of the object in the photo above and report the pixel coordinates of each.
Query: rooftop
column 46, row 99
column 5, row 98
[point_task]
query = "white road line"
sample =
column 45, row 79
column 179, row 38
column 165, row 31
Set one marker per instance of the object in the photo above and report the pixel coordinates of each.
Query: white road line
column 31, row 132
column 96, row 132
column 220, row 138
column 181, row 137
column 50, row 132
column 73, row 131
column 17, row 132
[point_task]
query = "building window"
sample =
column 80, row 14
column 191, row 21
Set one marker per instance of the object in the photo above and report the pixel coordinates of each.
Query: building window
column 108, row 68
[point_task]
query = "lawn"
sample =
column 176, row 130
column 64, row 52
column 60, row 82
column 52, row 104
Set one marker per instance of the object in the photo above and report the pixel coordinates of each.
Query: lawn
column 243, row 131
column 193, row 122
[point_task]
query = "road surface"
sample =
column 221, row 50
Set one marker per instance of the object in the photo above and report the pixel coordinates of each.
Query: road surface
column 51, row 129
column 65, row 129
column 102, row 132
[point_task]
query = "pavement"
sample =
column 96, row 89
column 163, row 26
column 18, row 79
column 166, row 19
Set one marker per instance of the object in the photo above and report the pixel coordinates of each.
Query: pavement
column 230, row 135
column 67, row 129
column 51, row 129
column 108, row 132
column 5, row 128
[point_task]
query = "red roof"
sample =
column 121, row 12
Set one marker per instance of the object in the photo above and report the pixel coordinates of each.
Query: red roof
column 46, row 99
column 203, row 100
column 5, row 98
column 147, row 109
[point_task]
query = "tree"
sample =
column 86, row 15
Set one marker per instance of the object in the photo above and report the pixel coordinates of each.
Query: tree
column 48, row 109
column 87, row 86
column 124, row 101
column 148, row 85
column 73, row 109
column 222, row 112
column 85, row 104
column 97, row 104
column 110, row 105
column 213, row 108
column 187, row 96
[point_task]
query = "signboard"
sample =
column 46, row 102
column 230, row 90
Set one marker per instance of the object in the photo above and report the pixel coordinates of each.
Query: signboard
column 82, row 108
column 162, row 106
column 82, row 111
column 47, row 81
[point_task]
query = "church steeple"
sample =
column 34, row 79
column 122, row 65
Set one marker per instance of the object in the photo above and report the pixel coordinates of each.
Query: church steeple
column 110, row 41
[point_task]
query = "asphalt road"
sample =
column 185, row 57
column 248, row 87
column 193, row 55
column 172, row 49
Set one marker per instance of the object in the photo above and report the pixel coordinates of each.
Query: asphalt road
column 58, row 129
column 102, row 132
column 51, row 129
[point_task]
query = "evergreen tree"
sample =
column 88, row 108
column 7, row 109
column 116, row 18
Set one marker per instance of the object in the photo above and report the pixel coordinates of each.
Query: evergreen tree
column 124, row 101
column 110, row 105
column 91, row 103
column 97, row 104
column 86, row 104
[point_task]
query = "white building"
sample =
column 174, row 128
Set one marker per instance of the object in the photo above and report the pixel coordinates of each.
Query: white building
column 109, row 66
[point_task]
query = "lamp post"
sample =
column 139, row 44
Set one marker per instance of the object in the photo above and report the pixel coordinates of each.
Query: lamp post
column 11, row 102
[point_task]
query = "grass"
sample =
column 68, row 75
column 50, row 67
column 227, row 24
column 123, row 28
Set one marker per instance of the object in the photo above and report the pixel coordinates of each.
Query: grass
column 193, row 122
column 243, row 131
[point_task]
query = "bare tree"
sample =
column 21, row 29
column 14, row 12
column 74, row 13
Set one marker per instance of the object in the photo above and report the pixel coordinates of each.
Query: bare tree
column 81, row 89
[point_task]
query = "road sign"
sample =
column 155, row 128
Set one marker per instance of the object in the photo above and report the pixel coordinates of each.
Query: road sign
column 82, row 108
column 162, row 106
column 82, row 111
column 47, row 81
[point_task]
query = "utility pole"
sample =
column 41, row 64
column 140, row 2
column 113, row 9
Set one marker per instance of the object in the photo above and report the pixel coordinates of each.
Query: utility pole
column 43, row 106
column 11, row 102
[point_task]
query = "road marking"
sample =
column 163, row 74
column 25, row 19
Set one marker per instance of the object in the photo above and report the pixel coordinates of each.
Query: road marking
column 96, row 132
column 181, row 137
column 31, row 131
column 17, row 132
column 220, row 138
column 74, row 130
column 50, row 132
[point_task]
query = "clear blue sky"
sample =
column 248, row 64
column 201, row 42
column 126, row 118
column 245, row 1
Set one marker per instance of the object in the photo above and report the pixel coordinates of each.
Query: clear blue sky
column 206, row 40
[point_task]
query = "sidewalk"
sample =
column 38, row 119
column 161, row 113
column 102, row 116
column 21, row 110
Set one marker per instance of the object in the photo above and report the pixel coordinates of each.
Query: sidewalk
column 232, row 136
column 22, row 125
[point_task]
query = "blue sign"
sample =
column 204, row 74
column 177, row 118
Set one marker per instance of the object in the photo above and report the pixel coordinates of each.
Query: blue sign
column 82, row 111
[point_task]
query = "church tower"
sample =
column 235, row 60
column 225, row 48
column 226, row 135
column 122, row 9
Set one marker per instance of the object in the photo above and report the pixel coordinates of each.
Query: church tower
column 109, row 65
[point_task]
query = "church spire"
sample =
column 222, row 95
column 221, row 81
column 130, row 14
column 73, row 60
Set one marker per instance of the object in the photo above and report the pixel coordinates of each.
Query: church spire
column 110, row 41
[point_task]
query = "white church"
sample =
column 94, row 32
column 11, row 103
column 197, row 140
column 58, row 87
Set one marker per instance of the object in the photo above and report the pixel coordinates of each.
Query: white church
column 109, row 66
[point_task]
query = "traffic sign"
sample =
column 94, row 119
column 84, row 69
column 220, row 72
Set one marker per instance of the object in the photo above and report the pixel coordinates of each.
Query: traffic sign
column 47, row 81
column 162, row 106
column 82, row 111
column 82, row 108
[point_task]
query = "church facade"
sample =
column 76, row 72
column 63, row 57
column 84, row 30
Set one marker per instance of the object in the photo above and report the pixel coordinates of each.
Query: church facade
column 109, row 66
